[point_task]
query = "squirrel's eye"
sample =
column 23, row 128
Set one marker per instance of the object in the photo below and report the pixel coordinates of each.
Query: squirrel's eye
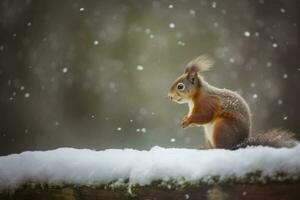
column 180, row 86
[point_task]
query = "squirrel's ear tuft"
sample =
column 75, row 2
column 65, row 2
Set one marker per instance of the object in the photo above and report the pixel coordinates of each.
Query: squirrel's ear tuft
column 199, row 64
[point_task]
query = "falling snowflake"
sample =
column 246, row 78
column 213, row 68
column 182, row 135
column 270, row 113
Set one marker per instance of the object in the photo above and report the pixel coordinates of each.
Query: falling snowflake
column 192, row 12
column 216, row 24
column 247, row 33
column 172, row 140
column 96, row 42
column 172, row 25
column 147, row 31
column 252, row 84
column 27, row 95
column 65, row 70
column 214, row 4
column 140, row 67
column 181, row 43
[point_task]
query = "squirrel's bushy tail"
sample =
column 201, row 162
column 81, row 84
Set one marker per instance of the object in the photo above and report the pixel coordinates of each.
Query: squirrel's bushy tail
column 276, row 138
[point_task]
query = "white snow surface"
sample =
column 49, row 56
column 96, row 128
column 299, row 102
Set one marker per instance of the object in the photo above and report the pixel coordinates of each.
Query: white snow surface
column 90, row 167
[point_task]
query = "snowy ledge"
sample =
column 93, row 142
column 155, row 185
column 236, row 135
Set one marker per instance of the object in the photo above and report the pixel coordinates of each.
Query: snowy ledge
column 128, row 167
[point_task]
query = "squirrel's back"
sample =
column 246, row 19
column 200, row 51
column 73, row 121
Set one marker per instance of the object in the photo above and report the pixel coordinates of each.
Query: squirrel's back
column 231, row 104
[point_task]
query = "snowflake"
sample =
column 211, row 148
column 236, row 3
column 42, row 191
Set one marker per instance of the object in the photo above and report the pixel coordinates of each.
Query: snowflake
column 247, row 33
column 172, row 25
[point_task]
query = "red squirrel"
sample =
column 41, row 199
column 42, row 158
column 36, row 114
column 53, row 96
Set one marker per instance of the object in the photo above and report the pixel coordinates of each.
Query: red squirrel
column 224, row 114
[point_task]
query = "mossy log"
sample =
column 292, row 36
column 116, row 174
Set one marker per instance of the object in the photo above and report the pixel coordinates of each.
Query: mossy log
column 274, row 191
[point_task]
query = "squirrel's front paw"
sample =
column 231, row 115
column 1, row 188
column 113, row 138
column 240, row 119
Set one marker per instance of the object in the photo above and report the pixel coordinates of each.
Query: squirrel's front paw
column 185, row 122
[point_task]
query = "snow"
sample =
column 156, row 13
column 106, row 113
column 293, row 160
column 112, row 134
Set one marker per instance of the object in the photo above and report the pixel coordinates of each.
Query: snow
column 252, row 84
column 140, row 67
column 214, row 4
column 192, row 12
column 96, row 42
column 147, row 31
column 143, row 130
column 247, row 33
column 181, row 43
column 90, row 167
column 232, row 60
column 65, row 70
column 172, row 25
column 186, row 196
column 275, row 45
column 26, row 95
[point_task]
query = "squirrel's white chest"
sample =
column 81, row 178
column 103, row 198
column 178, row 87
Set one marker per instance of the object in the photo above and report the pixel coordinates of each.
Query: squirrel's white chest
column 208, row 128
column 191, row 107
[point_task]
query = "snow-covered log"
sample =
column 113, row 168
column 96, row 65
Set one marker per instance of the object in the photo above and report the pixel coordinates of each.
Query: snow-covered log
column 115, row 172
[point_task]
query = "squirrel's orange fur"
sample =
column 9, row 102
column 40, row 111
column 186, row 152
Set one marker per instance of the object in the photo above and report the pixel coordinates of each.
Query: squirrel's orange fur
column 224, row 114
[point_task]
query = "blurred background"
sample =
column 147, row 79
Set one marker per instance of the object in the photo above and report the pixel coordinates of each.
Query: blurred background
column 95, row 74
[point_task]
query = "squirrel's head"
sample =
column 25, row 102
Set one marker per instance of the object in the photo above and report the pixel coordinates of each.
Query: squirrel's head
column 189, row 83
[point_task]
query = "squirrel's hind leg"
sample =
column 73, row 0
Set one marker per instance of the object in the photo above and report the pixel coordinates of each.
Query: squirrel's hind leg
column 227, row 133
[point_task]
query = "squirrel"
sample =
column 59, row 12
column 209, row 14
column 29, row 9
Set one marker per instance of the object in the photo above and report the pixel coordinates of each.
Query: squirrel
column 223, row 113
